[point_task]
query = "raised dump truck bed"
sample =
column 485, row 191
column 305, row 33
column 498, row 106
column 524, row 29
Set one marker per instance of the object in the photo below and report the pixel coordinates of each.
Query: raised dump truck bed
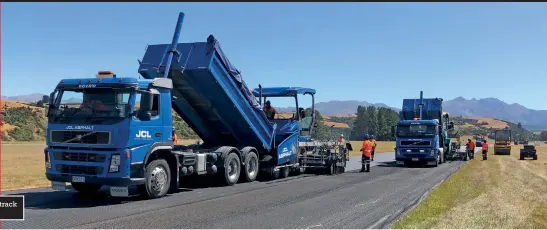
column 210, row 94
column 431, row 109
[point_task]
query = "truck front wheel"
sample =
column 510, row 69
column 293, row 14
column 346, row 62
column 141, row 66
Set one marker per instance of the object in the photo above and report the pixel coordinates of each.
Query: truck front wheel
column 158, row 179
column 86, row 188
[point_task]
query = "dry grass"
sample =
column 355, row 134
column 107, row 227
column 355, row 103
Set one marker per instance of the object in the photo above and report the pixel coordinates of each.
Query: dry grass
column 502, row 192
column 336, row 124
column 496, row 124
column 23, row 166
column 381, row 147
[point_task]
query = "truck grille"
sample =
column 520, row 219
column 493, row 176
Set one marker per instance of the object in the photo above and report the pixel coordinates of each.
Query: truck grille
column 416, row 143
column 81, row 137
column 82, row 157
column 79, row 169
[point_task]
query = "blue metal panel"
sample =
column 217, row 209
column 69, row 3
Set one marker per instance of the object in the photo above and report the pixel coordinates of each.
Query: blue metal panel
column 210, row 95
column 431, row 110
column 287, row 150
column 282, row 91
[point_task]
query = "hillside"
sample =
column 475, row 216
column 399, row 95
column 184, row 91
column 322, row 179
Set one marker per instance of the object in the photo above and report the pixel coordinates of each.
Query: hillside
column 340, row 108
column 534, row 120
column 24, row 98
column 495, row 108
column 22, row 122
column 25, row 122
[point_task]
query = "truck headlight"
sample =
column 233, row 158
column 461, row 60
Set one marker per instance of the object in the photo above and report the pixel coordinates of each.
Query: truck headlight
column 114, row 163
column 432, row 153
column 47, row 156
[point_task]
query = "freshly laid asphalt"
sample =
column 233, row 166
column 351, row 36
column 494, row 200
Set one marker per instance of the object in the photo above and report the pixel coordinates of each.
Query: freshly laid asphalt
column 349, row 200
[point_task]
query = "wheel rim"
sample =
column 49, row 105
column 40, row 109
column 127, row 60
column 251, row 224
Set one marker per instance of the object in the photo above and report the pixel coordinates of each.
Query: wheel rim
column 158, row 178
column 233, row 168
column 252, row 167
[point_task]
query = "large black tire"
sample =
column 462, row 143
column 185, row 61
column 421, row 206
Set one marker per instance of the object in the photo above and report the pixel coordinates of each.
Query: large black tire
column 521, row 157
column 251, row 168
column 86, row 188
column 157, row 179
column 284, row 172
column 331, row 170
column 232, row 169
column 439, row 158
column 535, row 157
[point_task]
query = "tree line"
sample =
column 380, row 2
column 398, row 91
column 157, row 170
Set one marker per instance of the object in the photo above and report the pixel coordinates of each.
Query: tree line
column 374, row 121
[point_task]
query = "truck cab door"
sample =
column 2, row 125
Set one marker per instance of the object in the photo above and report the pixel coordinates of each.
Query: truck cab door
column 147, row 125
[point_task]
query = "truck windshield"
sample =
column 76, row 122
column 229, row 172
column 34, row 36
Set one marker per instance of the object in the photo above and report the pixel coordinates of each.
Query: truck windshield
column 503, row 136
column 415, row 130
column 96, row 106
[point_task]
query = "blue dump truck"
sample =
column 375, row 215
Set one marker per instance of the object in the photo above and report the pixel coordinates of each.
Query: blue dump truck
column 118, row 132
column 422, row 132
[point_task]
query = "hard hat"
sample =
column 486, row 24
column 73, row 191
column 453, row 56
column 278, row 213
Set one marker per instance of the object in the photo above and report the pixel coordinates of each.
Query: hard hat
column 342, row 135
column 173, row 128
column 371, row 136
column 268, row 102
column 366, row 137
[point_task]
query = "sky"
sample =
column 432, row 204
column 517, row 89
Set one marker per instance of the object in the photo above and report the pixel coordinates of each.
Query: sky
column 375, row 52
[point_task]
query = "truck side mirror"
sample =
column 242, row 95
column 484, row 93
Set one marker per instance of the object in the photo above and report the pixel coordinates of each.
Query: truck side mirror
column 146, row 106
column 50, row 102
column 451, row 125
column 315, row 125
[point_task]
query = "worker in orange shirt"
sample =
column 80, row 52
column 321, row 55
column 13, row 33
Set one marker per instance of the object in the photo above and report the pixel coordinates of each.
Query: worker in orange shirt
column 175, row 139
column 471, row 148
column 484, row 150
column 373, row 142
column 269, row 110
column 366, row 154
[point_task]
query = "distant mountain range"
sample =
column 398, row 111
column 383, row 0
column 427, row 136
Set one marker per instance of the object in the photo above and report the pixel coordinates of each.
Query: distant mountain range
column 24, row 98
column 534, row 120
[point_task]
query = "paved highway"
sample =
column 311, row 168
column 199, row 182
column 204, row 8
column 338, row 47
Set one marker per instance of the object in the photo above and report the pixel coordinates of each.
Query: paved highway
column 349, row 200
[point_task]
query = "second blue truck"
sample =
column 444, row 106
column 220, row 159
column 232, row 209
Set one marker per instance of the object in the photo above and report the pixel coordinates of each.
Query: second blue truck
column 422, row 132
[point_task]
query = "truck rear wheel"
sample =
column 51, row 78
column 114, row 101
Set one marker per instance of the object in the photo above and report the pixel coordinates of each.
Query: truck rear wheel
column 250, row 170
column 86, row 188
column 232, row 170
column 284, row 172
column 535, row 157
column 157, row 179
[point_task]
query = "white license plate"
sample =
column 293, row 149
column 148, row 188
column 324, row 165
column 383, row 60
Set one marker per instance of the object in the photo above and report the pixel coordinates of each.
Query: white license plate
column 59, row 186
column 78, row 179
column 414, row 159
column 119, row 191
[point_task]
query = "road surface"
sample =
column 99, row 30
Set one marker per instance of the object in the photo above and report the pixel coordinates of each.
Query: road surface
column 349, row 200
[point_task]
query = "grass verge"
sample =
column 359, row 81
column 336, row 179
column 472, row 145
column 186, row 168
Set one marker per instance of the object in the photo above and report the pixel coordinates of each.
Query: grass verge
column 502, row 192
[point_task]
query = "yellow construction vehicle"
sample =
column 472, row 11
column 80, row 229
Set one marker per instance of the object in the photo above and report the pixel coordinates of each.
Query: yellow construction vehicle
column 502, row 143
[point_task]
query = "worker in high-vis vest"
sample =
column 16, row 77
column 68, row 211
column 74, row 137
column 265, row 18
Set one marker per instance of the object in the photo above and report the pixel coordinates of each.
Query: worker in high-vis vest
column 470, row 148
column 484, row 150
column 366, row 154
column 373, row 142
column 175, row 139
